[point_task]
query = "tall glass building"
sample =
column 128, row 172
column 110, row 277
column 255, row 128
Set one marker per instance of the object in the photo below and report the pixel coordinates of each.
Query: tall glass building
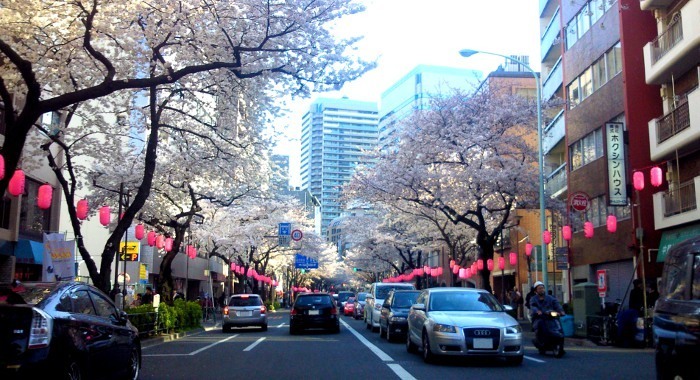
column 335, row 135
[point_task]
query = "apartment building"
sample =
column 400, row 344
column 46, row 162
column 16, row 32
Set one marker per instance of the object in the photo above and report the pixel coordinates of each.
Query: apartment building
column 592, row 59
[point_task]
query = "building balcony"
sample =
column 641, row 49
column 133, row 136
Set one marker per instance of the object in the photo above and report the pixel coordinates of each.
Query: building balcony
column 550, row 37
column 675, row 50
column 677, row 206
column 553, row 82
column 646, row 5
column 553, row 133
column 677, row 130
column 555, row 184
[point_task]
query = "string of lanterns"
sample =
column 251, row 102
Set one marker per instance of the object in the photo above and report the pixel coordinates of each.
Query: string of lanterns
column 239, row 269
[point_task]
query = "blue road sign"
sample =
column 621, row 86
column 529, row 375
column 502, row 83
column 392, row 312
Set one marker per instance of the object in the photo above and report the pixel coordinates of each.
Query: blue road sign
column 285, row 229
column 303, row 262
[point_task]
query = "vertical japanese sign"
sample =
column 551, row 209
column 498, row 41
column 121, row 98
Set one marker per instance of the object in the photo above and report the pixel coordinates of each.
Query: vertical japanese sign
column 59, row 258
column 617, row 180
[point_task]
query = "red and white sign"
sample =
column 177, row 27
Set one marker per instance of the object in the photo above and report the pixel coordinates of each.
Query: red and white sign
column 579, row 201
column 297, row 235
column 602, row 275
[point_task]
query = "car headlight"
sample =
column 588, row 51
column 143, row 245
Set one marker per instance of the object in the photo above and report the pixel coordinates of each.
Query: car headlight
column 438, row 327
column 397, row 319
column 516, row 329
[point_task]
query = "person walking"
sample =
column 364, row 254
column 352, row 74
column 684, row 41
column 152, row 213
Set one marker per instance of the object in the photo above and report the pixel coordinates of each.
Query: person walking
column 147, row 298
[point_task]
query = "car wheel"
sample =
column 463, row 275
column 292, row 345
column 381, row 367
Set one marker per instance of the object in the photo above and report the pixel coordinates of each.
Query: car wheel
column 72, row 370
column 559, row 350
column 225, row 329
column 428, row 355
column 134, row 364
column 388, row 333
column 336, row 329
column 515, row 360
column 264, row 327
column 381, row 330
column 410, row 346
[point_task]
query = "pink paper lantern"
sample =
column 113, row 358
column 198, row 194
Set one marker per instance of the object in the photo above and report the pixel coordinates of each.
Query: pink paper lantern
column 547, row 237
column 566, row 232
column 474, row 267
column 232, row 266
column 440, row 271
column 513, row 258
column 501, row 263
column 528, row 249
column 160, row 241
column 656, row 176
column 420, row 272
column 151, row 237
column 104, row 215
column 43, row 199
column 455, row 269
column 452, row 264
column 168, row 244
column 638, row 180
column 489, row 264
column 16, row 185
column 462, row 273
column 2, row 167
column 480, row 264
column 611, row 223
column 81, row 209
column 468, row 273
column 139, row 231
column 588, row 230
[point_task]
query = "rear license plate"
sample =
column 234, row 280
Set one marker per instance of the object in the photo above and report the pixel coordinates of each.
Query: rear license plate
column 482, row 343
column 245, row 313
column 313, row 312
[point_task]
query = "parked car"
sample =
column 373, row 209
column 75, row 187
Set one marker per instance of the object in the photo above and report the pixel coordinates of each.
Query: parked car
column 67, row 330
column 677, row 313
column 359, row 311
column 463, row 322
column 244, row 310
column 314, row 310
column 375, row 300
column 392, row 320
column 343, row 298
column 349, row 308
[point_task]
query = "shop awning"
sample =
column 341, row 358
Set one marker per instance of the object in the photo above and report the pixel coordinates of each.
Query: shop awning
column 26, row 251
column 673, row 237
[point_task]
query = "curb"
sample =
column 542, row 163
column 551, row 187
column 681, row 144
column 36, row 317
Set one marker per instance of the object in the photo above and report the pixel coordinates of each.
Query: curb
column 155, row 340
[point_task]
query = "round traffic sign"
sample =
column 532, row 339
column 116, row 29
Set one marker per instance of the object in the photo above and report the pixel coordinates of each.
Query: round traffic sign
column 579, row 201
column 297, row 235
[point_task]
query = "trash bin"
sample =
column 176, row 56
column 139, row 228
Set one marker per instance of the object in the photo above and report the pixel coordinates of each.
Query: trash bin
column 567, row 324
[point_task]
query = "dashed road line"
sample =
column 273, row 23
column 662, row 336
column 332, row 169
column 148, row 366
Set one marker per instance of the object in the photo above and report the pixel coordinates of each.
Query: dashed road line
column 254, row 344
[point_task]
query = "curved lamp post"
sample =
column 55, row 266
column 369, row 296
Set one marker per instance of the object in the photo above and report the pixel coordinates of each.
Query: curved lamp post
column 543, row 221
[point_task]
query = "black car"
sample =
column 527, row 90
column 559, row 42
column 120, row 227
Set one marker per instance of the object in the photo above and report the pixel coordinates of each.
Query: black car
column 67, row 330
column 677, row 313
column 314, row 310
column 392, row 320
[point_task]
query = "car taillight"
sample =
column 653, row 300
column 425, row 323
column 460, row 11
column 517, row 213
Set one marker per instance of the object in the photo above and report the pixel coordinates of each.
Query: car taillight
column 293, row 312
column 334, row 310
column 262, row 309
column 40, row 331
column 225, row 310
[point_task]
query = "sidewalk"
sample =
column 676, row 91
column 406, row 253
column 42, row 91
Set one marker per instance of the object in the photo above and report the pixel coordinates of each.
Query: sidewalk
column 154, row 340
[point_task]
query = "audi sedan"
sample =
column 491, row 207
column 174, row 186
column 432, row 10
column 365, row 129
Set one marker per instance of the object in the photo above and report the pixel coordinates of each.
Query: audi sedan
column 463, row 322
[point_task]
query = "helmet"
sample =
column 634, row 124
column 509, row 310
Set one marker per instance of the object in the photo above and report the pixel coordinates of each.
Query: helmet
column 538, row 283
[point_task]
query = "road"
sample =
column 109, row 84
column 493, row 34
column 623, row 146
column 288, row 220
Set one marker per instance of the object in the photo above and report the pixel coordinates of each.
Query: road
column 359, row 353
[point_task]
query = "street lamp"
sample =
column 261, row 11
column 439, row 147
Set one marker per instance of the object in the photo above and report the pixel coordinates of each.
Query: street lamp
column 543, row 222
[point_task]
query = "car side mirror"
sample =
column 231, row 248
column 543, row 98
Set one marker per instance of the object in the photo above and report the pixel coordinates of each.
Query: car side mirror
column 418, row 306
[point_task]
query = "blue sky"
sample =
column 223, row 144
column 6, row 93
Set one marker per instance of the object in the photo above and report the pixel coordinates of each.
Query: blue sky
column 402, row 34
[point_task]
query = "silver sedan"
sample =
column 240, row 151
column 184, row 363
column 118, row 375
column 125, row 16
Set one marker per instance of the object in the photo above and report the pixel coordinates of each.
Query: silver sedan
column 463, row 322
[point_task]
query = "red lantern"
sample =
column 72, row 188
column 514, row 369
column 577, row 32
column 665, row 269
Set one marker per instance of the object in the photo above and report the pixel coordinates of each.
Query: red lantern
column 501, row 263
column 656, row 176
column 566, row 232
column 43, row 199
column 474, row 267
column 160, row 241
column 528, row 249
column 440, row 271
column 233, row 266
column 104, row 215
column 513, row 257
column 139, row 231
column 2, row 167
column 452, row 264
column 151, row 237
column 420, row 272
column 480, row 264
column 168, row 244
column 489, row 264
column 455, row 269
column 547, row 237
column 588, row 230
column 612, row 223
column 462, row 273
column 16, row 185
column 638, row 180
column 81, row 209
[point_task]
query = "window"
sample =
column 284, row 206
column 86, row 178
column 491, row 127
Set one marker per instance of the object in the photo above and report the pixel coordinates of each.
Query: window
column 82, row 303
column 33, row 220
column 574, row 94
column 586, row 150
column 103, row 307
column 571, row 35
column 586, row 84
column 675, row 281
column 583, row 20
column 696, row 277
column 598, row 73
column 613, row 60
column 597, row 8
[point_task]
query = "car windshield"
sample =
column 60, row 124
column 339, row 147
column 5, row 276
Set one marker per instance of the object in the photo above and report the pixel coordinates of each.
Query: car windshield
column 351, row 299
column 314, row 300
column 463, row 301
column 244, row 301
column 383, row 291
column 405, row 300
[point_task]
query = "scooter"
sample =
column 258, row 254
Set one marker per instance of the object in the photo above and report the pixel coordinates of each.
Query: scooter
column 549, row 335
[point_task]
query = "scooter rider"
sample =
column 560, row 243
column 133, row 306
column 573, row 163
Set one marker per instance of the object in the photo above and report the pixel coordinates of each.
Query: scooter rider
column 542, row 303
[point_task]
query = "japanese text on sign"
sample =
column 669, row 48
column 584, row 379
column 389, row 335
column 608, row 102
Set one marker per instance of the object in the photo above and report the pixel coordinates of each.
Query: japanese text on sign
column 617, row 180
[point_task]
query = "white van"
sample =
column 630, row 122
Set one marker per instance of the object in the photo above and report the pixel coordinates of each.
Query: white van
column 375, row 299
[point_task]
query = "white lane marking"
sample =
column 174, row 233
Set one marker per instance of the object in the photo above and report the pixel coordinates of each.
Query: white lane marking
column 369, row 345
column 211, row 345
column 281, row 325
column 400, row 372
column 254, row 344
column 534, row 360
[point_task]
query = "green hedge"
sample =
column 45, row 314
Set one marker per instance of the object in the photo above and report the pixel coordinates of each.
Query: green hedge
column 181, row 316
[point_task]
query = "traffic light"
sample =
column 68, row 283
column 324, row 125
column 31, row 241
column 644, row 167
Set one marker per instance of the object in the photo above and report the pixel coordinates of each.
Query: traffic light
column 356, row 269
column 303, row 271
